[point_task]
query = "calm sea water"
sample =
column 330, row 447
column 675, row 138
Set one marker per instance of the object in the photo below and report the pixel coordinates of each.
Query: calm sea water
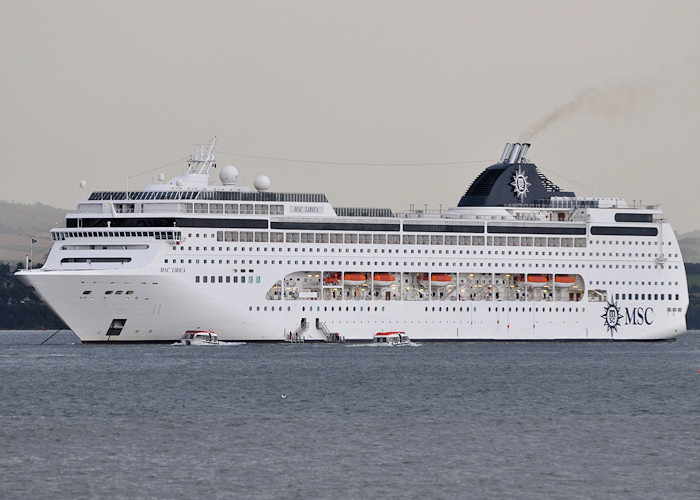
column 445, row 420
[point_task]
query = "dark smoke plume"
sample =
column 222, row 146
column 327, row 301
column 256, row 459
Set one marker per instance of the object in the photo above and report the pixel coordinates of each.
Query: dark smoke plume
column 621, row 99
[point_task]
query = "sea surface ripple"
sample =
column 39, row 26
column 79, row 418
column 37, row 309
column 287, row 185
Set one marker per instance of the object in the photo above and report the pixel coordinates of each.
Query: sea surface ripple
column 439, row 420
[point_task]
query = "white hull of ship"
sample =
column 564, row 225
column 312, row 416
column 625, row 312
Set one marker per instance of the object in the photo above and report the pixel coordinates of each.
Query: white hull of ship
column 161, row 305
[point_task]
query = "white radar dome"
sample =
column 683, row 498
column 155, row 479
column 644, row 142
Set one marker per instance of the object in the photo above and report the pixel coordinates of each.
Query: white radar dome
column 83, row 184
column 228, row 175
column 262, row 183
column 161, row 177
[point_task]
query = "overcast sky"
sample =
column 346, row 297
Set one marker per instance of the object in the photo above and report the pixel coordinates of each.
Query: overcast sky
column 606, row 91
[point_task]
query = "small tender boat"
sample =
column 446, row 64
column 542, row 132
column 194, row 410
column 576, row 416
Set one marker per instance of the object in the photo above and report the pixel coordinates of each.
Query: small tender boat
column 564, row 280
column 391, row 338
column 383, row 279
column 332, row 279
column 199, row 337
column 537, row 280
column 354, row 279
column 435, row 280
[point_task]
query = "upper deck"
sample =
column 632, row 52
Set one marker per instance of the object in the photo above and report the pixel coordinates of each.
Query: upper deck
column 511, row 196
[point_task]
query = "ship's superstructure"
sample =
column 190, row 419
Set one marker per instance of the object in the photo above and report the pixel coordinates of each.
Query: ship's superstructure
column 517, row 259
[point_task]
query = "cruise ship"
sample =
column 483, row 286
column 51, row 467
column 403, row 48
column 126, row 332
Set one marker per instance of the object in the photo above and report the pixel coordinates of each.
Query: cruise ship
column 516, row 259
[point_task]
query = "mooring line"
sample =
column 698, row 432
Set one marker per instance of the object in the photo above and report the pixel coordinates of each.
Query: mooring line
column 54, row 333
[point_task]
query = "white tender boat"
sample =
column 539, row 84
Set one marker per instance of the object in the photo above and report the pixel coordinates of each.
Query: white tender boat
column 199, row 337
column 391, row 338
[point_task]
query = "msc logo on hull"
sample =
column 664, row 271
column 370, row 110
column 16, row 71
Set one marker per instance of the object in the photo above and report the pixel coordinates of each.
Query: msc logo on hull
column 616, row 316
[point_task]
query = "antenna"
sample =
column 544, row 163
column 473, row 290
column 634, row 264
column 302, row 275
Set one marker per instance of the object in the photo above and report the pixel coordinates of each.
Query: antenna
column 201, row 162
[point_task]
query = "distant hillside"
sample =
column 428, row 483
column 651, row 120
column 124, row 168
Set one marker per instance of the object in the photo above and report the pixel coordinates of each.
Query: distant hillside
column 690, row 246
column 20, row 222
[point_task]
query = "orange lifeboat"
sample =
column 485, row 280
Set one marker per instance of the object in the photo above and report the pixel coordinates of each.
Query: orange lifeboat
column 436, row 280
column 564, row 280
column 354, row 279
column 537, row 280
column 332, row 279
column 383, row 279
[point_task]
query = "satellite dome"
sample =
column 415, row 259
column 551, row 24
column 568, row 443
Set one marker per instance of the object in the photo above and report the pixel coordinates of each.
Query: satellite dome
column 83, row 184
column 228, row 175
column 161, row 177
column 262, row 183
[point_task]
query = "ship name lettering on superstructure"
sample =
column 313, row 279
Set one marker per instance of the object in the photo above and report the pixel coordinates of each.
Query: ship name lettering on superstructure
column 172, row 270
column 306, row 210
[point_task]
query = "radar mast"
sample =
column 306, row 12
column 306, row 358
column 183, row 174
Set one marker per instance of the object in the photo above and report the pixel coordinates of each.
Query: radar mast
column 200, row 162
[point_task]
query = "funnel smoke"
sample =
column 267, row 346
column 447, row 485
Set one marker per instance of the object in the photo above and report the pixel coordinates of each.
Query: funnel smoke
column 622, row 99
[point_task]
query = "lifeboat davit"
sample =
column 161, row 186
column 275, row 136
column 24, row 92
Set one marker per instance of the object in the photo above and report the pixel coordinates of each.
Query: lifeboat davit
column 332, row 279
column 354, row 279
column 564, row 280
column 382, row 279
column 537, row 280
column 436, row 280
